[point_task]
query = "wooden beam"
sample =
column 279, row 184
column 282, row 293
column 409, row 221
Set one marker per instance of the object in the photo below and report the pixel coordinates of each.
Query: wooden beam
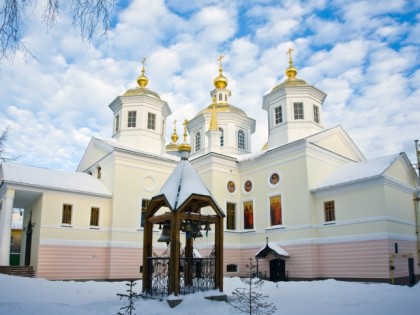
column 199, row 217
column 167, row 216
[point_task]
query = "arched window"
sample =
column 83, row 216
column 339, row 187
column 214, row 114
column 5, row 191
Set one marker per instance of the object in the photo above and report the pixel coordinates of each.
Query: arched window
column 222, row 139
column 197, row 141
column 220, row 97
column 241, row 139
column 225, row 97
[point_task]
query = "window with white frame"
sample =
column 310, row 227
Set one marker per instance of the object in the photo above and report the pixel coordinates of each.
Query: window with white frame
column 329, row 211
column 67, row 214
column 117, row 123
column 241, row 139
column 197, row 141
column 316, row 114
column 151, row 121
column 222, row 139
column 131, row 120
column 298, row 111
column 94, row 216
column 278, row 115
column 230, row 216
column 144, row 205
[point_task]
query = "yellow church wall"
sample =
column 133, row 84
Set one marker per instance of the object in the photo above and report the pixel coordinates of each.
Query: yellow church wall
column 396, row 200
column 134, row 182
column 336, row 143
column 398, row 171
column 81, row 209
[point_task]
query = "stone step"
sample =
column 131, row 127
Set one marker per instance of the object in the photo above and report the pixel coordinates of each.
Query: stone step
column 21, row 271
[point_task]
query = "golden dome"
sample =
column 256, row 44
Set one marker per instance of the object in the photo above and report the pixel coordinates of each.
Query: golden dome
column 185, row 146
column 220, row 82
column 291, row 73
column 173, row 146
column 142, row 81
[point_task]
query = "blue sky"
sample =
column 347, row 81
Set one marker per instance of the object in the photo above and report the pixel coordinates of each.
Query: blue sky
column 363, row 54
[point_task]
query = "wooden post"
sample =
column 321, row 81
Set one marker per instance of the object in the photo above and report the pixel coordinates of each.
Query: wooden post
column 174, row 256
column 147, row 252
column 219, row 254
column 188, row 272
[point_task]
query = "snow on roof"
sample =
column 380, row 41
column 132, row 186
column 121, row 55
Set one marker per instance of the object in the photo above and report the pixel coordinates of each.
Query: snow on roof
column 113, row 143
column 53, row 179
column 182, row 183
column 274, row 247
column 358, row 171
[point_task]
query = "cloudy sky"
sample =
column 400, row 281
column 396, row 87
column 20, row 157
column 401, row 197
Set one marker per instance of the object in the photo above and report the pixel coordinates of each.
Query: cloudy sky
column 363, row 54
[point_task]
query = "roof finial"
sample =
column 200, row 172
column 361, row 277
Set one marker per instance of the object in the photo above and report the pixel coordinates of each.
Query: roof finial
column 220, row 82
column 185, row 146
column 220, row 63
column 174, row 136
column 142, row 80
column 291, row 71
column 289, row 51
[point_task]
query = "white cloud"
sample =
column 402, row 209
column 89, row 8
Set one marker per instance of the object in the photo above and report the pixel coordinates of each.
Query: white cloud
column 362, row 56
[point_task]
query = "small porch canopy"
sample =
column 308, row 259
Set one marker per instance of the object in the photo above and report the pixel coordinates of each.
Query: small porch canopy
column 184, row 194
column 271, row 248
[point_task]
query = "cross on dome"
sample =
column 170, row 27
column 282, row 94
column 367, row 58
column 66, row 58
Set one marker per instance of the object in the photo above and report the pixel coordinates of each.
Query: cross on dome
column 220, row 82
column 142, row 80
column 291, row 71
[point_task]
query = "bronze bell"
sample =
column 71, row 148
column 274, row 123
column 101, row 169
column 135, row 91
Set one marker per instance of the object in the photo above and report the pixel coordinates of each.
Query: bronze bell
column 187, row 227
column 196, row 230
column 207, row 227
column 166, row 234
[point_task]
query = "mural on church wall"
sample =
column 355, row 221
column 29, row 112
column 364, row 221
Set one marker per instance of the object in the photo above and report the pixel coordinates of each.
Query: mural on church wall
column 275, row 210
column 248, row 215
column 248, row 186
column 274, row 179
column 231, row 186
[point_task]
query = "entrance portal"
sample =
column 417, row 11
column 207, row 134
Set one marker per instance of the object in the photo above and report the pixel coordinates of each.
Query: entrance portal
column 277, row 270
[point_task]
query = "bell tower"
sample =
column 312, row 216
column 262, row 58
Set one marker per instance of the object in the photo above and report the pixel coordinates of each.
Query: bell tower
column 140, row 118
column 221, row 127
column 294, row 109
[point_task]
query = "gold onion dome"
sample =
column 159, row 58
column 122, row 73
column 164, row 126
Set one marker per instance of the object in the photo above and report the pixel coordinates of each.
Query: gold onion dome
column 291, row 73
column 142, row 80
column 173, row 146
column 142, row 88
column 220, row 82
column 185, row 146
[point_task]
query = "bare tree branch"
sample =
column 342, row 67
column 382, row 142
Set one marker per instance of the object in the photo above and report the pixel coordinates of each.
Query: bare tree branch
column 87, row 15
column 3, row 138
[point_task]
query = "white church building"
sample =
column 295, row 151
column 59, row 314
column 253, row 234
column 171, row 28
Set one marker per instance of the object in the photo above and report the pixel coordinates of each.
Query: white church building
column 307, row 206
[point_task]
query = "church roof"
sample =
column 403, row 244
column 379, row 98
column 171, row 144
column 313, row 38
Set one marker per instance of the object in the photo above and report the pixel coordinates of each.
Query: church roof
column 354, row 172
column 19, row 174
column 181, row 184
column 271, row 248
column 115, row 144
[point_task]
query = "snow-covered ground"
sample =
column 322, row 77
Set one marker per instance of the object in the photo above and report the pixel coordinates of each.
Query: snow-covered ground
column 41, row 297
